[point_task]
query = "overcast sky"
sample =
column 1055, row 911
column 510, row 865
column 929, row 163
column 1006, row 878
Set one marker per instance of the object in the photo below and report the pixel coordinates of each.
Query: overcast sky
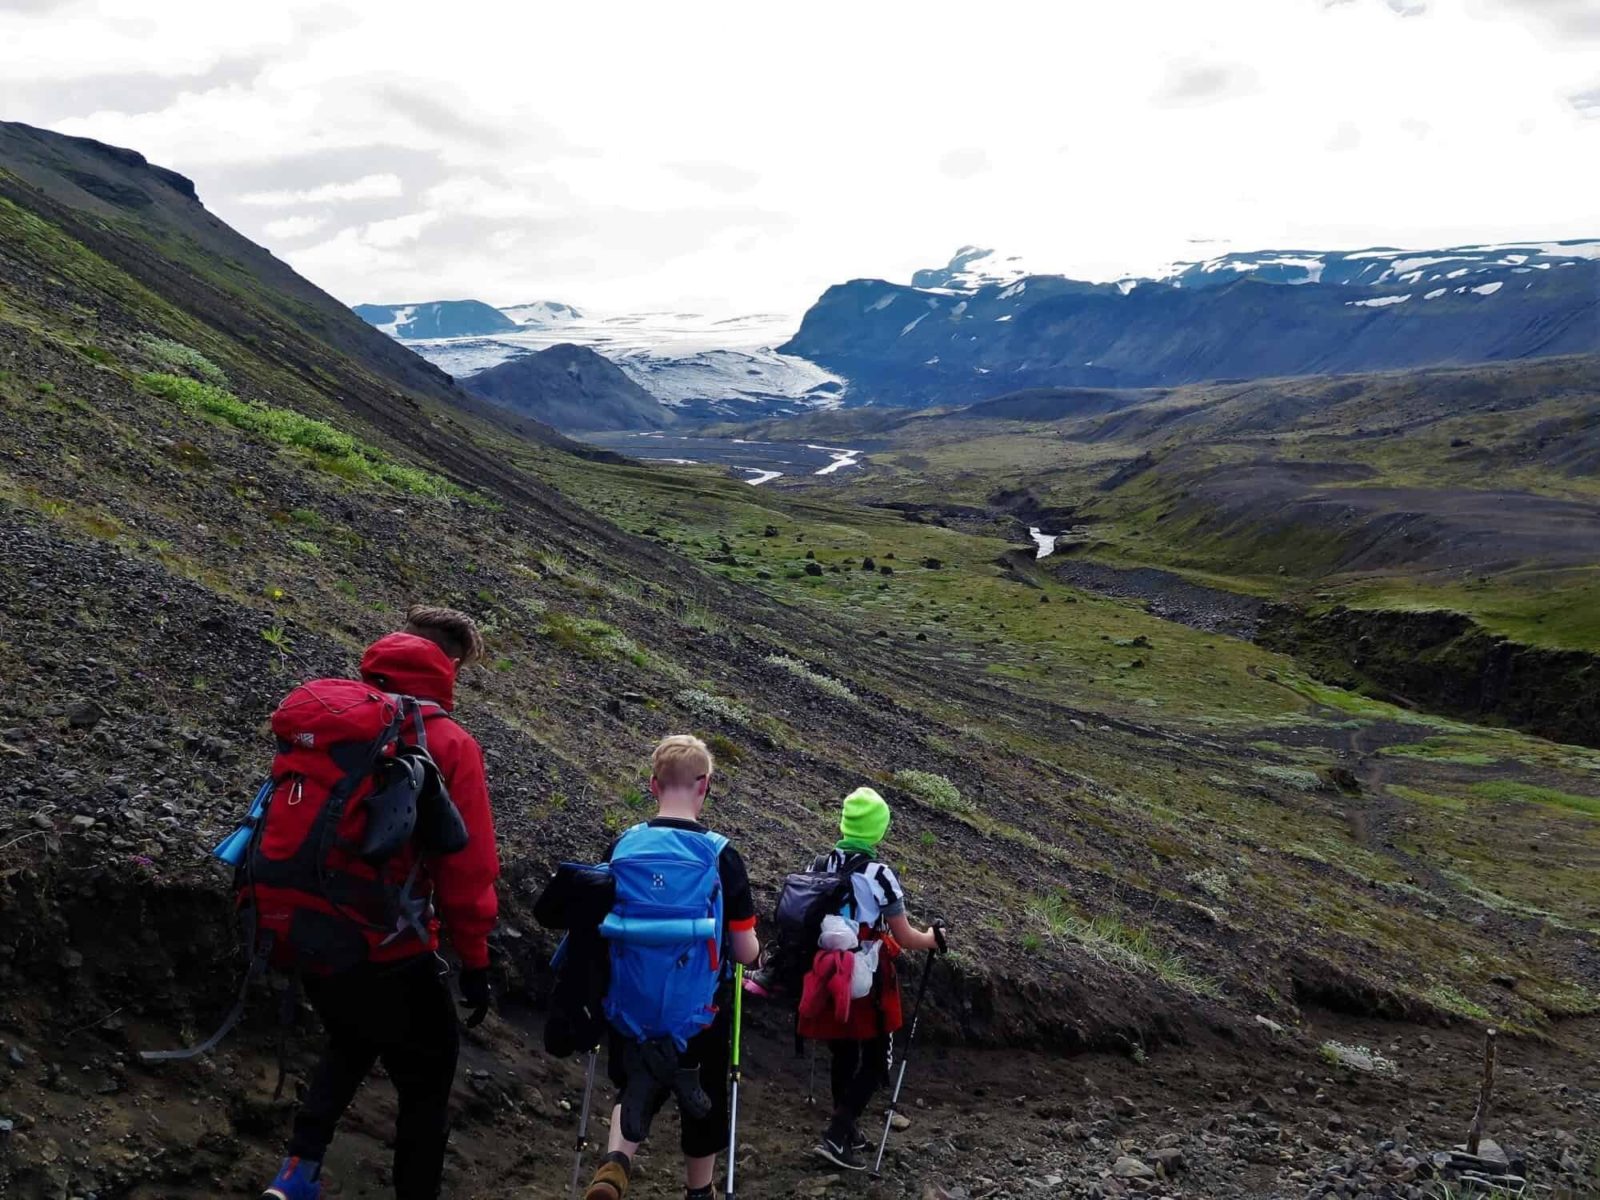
column 741, row 156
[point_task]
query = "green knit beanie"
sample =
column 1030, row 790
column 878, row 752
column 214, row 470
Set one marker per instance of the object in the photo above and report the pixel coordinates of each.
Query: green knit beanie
column 865, row 820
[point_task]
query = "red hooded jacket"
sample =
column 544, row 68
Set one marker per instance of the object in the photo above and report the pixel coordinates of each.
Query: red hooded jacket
column 463, row 883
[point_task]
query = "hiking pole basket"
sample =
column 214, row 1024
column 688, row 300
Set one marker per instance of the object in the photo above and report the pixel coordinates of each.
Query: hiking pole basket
column 583, row 1124
column 900, row 1079
column 735, row 1072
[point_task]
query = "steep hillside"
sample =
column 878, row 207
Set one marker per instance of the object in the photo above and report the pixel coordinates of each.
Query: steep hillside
column 571, row 388
column 214, row 482
column 933, row 345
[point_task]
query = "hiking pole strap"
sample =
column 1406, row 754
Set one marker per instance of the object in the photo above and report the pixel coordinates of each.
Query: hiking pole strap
column 905, row 1057
column 735, row 1072
column 258, row 967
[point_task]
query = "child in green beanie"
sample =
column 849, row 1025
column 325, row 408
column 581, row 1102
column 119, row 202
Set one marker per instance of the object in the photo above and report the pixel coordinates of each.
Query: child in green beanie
column 862, row 1047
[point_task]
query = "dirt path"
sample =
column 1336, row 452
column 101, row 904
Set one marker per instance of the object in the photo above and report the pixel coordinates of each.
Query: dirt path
column 1206, row 1120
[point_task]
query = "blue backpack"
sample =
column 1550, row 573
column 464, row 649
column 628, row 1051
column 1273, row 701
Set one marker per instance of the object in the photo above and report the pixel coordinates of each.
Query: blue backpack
column 665, row 931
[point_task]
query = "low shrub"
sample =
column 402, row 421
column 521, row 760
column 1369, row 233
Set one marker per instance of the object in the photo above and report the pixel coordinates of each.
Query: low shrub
column 935, row 790
column 823, row 683
column 708, row 704
column 335, row 450
column 175, row 356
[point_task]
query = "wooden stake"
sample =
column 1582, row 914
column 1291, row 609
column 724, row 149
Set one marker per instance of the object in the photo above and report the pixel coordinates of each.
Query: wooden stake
column 1486, row 1088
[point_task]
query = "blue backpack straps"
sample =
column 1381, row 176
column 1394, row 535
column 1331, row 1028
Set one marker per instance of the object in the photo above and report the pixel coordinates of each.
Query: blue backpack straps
column 665, row 931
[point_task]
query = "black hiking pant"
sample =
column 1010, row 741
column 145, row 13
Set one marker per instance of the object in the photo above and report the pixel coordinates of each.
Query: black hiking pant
column 404, row 1016
column 858, row 1070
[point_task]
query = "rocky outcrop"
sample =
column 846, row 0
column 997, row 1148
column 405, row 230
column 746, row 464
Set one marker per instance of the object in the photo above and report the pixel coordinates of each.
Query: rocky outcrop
column 1444, row 662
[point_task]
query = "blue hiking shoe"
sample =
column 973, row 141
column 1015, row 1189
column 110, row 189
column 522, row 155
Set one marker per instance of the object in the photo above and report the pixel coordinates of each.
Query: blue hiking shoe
column 297, row 1180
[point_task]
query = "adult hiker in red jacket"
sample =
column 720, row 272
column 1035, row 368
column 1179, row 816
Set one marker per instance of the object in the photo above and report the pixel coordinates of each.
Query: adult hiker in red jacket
column 397, row 1007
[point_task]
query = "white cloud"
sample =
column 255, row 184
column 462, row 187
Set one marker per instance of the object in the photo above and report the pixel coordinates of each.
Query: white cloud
column 397, row 231
column 293, row 227
column 702, row 169
column 368, row 187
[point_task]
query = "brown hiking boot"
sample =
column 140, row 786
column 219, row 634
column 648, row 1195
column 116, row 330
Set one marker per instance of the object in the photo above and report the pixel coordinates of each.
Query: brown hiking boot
column 610, row 1182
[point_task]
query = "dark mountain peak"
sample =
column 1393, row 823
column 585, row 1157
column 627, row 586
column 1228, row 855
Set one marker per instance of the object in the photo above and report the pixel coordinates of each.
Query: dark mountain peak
column 113, row 174
column 573, row 388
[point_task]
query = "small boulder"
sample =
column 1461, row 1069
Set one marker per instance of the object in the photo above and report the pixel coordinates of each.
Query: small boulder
column 84, row 714
column 1127, row 1167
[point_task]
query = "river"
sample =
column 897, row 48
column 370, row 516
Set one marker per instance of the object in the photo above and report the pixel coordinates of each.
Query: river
column 758, row 462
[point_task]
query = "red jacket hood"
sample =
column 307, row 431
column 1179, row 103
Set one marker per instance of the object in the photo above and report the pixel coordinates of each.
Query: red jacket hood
column 411, row 666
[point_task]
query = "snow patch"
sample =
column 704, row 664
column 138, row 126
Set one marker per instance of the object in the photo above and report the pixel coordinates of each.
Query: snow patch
column 1488, row 289
column 1436, row 293
column 400, row 318
column 841, row 458
column 758, row 476
column 1045, row 541
column 1377, row 301
column 881, row 303
column 1016, row 289
column 912, row 324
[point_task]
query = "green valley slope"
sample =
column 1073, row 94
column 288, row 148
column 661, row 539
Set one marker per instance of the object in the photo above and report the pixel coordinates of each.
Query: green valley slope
column 215, row 483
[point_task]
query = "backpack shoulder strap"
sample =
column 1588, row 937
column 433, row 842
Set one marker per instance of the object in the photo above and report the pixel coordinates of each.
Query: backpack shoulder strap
column 717, row 840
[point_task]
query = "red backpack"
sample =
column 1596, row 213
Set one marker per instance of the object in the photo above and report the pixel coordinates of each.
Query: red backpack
column 328, row 858
column 332, row 867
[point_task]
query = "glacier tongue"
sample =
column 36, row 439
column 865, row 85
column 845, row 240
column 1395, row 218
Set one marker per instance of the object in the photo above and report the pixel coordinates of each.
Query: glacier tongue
column 683, row 359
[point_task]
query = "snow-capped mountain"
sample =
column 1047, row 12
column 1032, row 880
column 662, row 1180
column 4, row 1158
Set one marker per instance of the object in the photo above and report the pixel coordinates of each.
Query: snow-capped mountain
column 981, row 331
column 435, row 319
column 542, row 312
column 1378, row 266
column 972, row 268
column 721, row 367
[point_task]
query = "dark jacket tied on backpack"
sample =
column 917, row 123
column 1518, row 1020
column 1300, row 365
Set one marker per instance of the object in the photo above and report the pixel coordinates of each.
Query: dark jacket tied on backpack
column 378, row 821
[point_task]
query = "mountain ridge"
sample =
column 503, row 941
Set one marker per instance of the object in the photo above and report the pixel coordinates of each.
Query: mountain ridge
column 904, row 345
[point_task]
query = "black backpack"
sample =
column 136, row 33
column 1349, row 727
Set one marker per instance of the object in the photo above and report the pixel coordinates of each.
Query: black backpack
column 807, row 897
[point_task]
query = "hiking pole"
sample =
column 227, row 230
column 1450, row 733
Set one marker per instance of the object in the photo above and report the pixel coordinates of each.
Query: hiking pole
column 734, row 1072
column 583, row 1124
column 900, row 1079
column 811, row 1084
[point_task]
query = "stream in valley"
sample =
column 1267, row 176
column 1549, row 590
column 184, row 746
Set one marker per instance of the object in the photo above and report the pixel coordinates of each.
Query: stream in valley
column 756, row 462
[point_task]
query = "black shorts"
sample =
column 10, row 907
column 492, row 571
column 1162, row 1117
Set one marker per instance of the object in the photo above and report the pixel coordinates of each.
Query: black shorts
column 710, row 1050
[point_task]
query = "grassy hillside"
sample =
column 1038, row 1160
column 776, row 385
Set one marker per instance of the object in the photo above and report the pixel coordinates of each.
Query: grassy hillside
column 211, row 488
column 1472, row 490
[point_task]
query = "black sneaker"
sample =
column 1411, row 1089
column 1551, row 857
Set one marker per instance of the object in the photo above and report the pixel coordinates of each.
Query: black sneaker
column 858, row 1142
column 840, row 1154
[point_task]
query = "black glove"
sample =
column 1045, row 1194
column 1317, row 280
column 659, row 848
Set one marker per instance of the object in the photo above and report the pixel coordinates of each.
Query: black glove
column 940, row 938
column 475, row 994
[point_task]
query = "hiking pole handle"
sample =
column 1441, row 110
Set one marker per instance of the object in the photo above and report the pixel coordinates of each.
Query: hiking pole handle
column 900, row 1078
column 735, row 1071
